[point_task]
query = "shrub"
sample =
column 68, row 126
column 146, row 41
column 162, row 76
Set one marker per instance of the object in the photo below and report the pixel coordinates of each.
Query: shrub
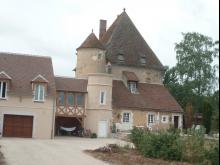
column 162, row 144
column 212, row 155
column 93, row 135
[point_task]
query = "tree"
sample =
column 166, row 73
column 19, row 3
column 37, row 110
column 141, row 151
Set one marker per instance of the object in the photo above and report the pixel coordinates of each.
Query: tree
column 195, row 55
column 207, row 115
column 189, row 115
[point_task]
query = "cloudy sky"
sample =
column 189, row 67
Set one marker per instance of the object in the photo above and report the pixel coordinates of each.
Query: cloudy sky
column 57, row 27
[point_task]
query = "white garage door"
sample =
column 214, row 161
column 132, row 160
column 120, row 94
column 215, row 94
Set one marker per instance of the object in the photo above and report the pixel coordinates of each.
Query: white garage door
column 103, row 129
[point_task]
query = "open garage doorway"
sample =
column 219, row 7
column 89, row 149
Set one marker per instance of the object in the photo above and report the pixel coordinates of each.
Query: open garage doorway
column 68, row 126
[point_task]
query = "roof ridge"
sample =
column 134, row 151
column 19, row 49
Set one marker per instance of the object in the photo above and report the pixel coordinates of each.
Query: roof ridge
column 24, row 54
column 68, row 77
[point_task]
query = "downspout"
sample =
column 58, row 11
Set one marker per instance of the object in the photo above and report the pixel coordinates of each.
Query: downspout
column 53, row 117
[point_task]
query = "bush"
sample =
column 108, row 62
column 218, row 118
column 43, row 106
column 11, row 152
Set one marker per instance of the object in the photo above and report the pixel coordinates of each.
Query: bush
column 162, row 144
column 212, row 155
column 93, row 135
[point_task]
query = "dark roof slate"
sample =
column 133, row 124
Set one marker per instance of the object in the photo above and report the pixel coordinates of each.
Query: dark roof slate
column 91, row 42
column 151, row 97
column 23, row 68
column 71, row 84
column 123, row 38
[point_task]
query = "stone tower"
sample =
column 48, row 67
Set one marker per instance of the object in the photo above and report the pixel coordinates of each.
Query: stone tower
column 91, row 65
column 90, row 57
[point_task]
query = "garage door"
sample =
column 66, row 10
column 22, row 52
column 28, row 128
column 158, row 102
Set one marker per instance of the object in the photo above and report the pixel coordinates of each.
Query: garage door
column 103, row 129
column 18, row 126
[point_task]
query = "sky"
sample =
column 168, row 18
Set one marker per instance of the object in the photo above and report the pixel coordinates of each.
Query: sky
column 56, row 28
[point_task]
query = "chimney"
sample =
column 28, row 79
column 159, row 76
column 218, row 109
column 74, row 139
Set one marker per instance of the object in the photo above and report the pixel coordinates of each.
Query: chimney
column 102, row 28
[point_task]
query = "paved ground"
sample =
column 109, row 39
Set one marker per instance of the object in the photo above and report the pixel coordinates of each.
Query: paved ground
column 60, row 151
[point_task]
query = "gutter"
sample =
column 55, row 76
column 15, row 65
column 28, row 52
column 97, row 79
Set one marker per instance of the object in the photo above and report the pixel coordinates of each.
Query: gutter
column 53, row 117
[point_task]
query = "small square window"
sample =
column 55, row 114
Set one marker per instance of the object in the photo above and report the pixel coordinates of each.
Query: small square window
column 121, row 58
column 164, row 119
column 143, row 61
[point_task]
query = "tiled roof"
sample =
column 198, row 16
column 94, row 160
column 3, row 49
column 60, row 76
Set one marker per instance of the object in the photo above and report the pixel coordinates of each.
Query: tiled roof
column 4, row 76
column 91, row 42
column 131, row 76
column 123, row 38
column 71, row 84
column 151, row 97
column 23, row 68
column 40, row 79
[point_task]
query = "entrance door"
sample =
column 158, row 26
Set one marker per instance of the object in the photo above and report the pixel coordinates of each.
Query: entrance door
column 176, row 121
column 18, row 126
column 103, row 129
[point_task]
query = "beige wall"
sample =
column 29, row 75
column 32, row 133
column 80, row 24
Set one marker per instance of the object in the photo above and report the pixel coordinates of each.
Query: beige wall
column 95, row 111
column 140, row 118
column 41, row 112
column 94, row 116
column 88, row 61
column 143, row 74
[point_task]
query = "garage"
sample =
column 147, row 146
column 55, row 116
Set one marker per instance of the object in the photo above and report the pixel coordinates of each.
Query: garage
column 18, row 126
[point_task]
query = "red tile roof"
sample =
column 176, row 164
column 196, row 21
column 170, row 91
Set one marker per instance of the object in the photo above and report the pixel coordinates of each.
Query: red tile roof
column 23, row 68
column 91, row 42
column 151, row 97
column 123, row 38
column 71, row 84
column 131, row 76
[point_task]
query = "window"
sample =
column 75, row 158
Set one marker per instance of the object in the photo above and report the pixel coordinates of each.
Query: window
column 164, row 119
column 3, row 89
column 79, row 99
column 132, row 86
column 150, row 119
column 126, row 117
column 39, row 93
column 61, row 98
column 121, row 58
column 143, row 61
column 102, row 97
column 70, row 98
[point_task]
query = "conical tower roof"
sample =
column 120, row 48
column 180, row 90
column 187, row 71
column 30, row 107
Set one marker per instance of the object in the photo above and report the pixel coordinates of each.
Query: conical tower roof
column 123, row 38
column 92, row 42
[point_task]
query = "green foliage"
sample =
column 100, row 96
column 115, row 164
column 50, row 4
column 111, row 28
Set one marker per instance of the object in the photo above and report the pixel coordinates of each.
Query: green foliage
column 195, row 55
column 114, row 128
column 212, row 155
column 93, row 135
column 169, row 145
column 162, row 144
column 207, row 115
column 193, row 79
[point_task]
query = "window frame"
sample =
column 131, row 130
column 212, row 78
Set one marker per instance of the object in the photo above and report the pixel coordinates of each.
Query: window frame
column 149, row 122
column 102, row 101
column 164, row 116
column 1, row 90
column 128, row 119
column 38, row 99
column 132, row 86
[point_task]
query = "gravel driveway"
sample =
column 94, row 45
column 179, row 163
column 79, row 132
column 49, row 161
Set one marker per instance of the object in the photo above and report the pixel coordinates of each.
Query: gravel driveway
column 60, row 151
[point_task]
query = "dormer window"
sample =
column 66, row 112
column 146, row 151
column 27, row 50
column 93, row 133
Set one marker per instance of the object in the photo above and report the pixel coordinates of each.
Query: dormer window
column 39, row 86
column 143, row 60
column 3, row 90
column 39, row 93
column 121, row 58
column 4, row 84
column 132, row 86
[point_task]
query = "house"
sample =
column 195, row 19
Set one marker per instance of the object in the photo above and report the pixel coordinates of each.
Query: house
column 118, row 81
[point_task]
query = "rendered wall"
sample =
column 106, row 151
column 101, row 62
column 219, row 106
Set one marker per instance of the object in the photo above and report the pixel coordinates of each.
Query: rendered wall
column 42, row 113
